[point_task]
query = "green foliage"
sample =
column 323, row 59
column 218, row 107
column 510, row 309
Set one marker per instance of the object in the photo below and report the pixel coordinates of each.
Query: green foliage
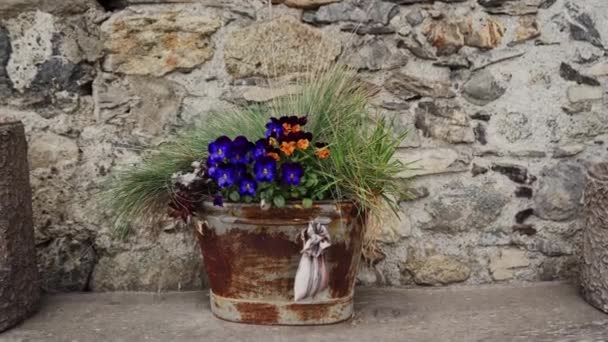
column 361, row 166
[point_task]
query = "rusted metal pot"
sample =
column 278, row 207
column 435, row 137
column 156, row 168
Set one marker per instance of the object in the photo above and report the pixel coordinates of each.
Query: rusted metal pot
column 251, row 257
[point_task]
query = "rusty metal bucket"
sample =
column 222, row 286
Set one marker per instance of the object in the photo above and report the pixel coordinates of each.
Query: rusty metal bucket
column 251, row 257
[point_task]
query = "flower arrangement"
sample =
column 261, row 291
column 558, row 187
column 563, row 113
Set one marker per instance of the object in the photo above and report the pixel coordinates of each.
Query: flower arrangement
column 278, row 167
column 334, row 150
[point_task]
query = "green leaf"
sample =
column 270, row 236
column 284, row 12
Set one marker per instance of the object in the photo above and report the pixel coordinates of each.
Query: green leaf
column 234, row 196
column 248, row 199
column 279, row 201
column 307, row 202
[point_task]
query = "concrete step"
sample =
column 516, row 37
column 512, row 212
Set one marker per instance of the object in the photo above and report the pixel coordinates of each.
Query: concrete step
column 516, row 312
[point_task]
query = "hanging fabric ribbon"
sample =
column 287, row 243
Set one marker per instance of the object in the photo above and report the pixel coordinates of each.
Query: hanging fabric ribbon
column 312, row 275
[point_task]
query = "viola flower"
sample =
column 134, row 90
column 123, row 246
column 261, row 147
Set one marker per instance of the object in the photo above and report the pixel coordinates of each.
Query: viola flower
column 322, row 150
column 225, row 175
column 274, row 128
column 291, row 173
column 211, row 168
column 241, row 150
column 303, row 144
column 286, row 128
column 220, row 149
column 247, row 186
column 259, row 150
column 287, row 147
column 239, row 171
column 274, row 155
column 218, row 201
column 265, row 169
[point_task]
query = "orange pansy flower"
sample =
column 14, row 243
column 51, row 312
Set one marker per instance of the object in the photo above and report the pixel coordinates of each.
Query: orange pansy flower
column 274, row 155
column 322, row 153
column 303, row 144
column 286, row 128
column 288, row 147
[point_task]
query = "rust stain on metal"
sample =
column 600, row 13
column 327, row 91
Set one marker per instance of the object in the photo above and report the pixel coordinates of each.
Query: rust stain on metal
column 257, row 312
column 253, row 264
column 311, row 312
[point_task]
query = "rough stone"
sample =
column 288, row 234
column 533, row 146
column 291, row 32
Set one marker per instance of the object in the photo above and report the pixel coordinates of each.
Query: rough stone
column 5, row 54
column 509, row 7
column 374, row 28
column 480, row 134
column 374, row 54
column 495, row 237
column 577, row 107
column 449, row 36
column 417, row 49
column 307, row 4
column 582, row 26
column 523, row 192
column 414, row 17
column 48, row 149
column 454, row 62
column 582, row 93
column 408, row 87
column 516, row 173
column 460, row 208
column 523, row 215
column 392, row 227
column 528, row 28
column 486, row 36
column 66, row 264
column 429, row 161
column 524, row 229
column 481, row 116
column 445, row 37
column 172, row 263
column 360, row 11
column 570, row 150
column 483, row 88
column 503, row 264
column 294, row 47
column 514, row 127
column 158, row 40
column 261, row 94
column 444, row 121
column 558, row 268
column 31, row 44
column 395, row 105
column 482, row 60
column 560, row 191
column 477, row 170
column 598, row 69
column 438, row 270
column 10, row 8
column 568, row 73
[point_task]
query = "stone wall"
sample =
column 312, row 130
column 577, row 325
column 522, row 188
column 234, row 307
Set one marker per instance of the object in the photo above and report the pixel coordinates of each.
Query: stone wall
column 504, row 100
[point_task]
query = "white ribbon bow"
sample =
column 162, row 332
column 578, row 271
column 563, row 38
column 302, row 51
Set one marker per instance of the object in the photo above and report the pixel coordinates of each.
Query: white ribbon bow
column 312, row 276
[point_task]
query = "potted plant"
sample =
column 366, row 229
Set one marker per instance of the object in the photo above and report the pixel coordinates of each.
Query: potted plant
column 279, row 196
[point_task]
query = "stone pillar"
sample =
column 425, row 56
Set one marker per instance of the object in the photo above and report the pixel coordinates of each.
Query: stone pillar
column 594, row 270
column 19, row 280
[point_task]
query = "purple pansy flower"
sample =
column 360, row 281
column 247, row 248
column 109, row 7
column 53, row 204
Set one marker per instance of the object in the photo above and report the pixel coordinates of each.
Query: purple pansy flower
column 241, row 150
column 247, row 186
column 220, row 149
column 225, row 175
column 274, row 128
column 259, row 150
column 218, row 201
column 211, row 168
column 239, row 171
column 291, row 173
column 265, row 169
